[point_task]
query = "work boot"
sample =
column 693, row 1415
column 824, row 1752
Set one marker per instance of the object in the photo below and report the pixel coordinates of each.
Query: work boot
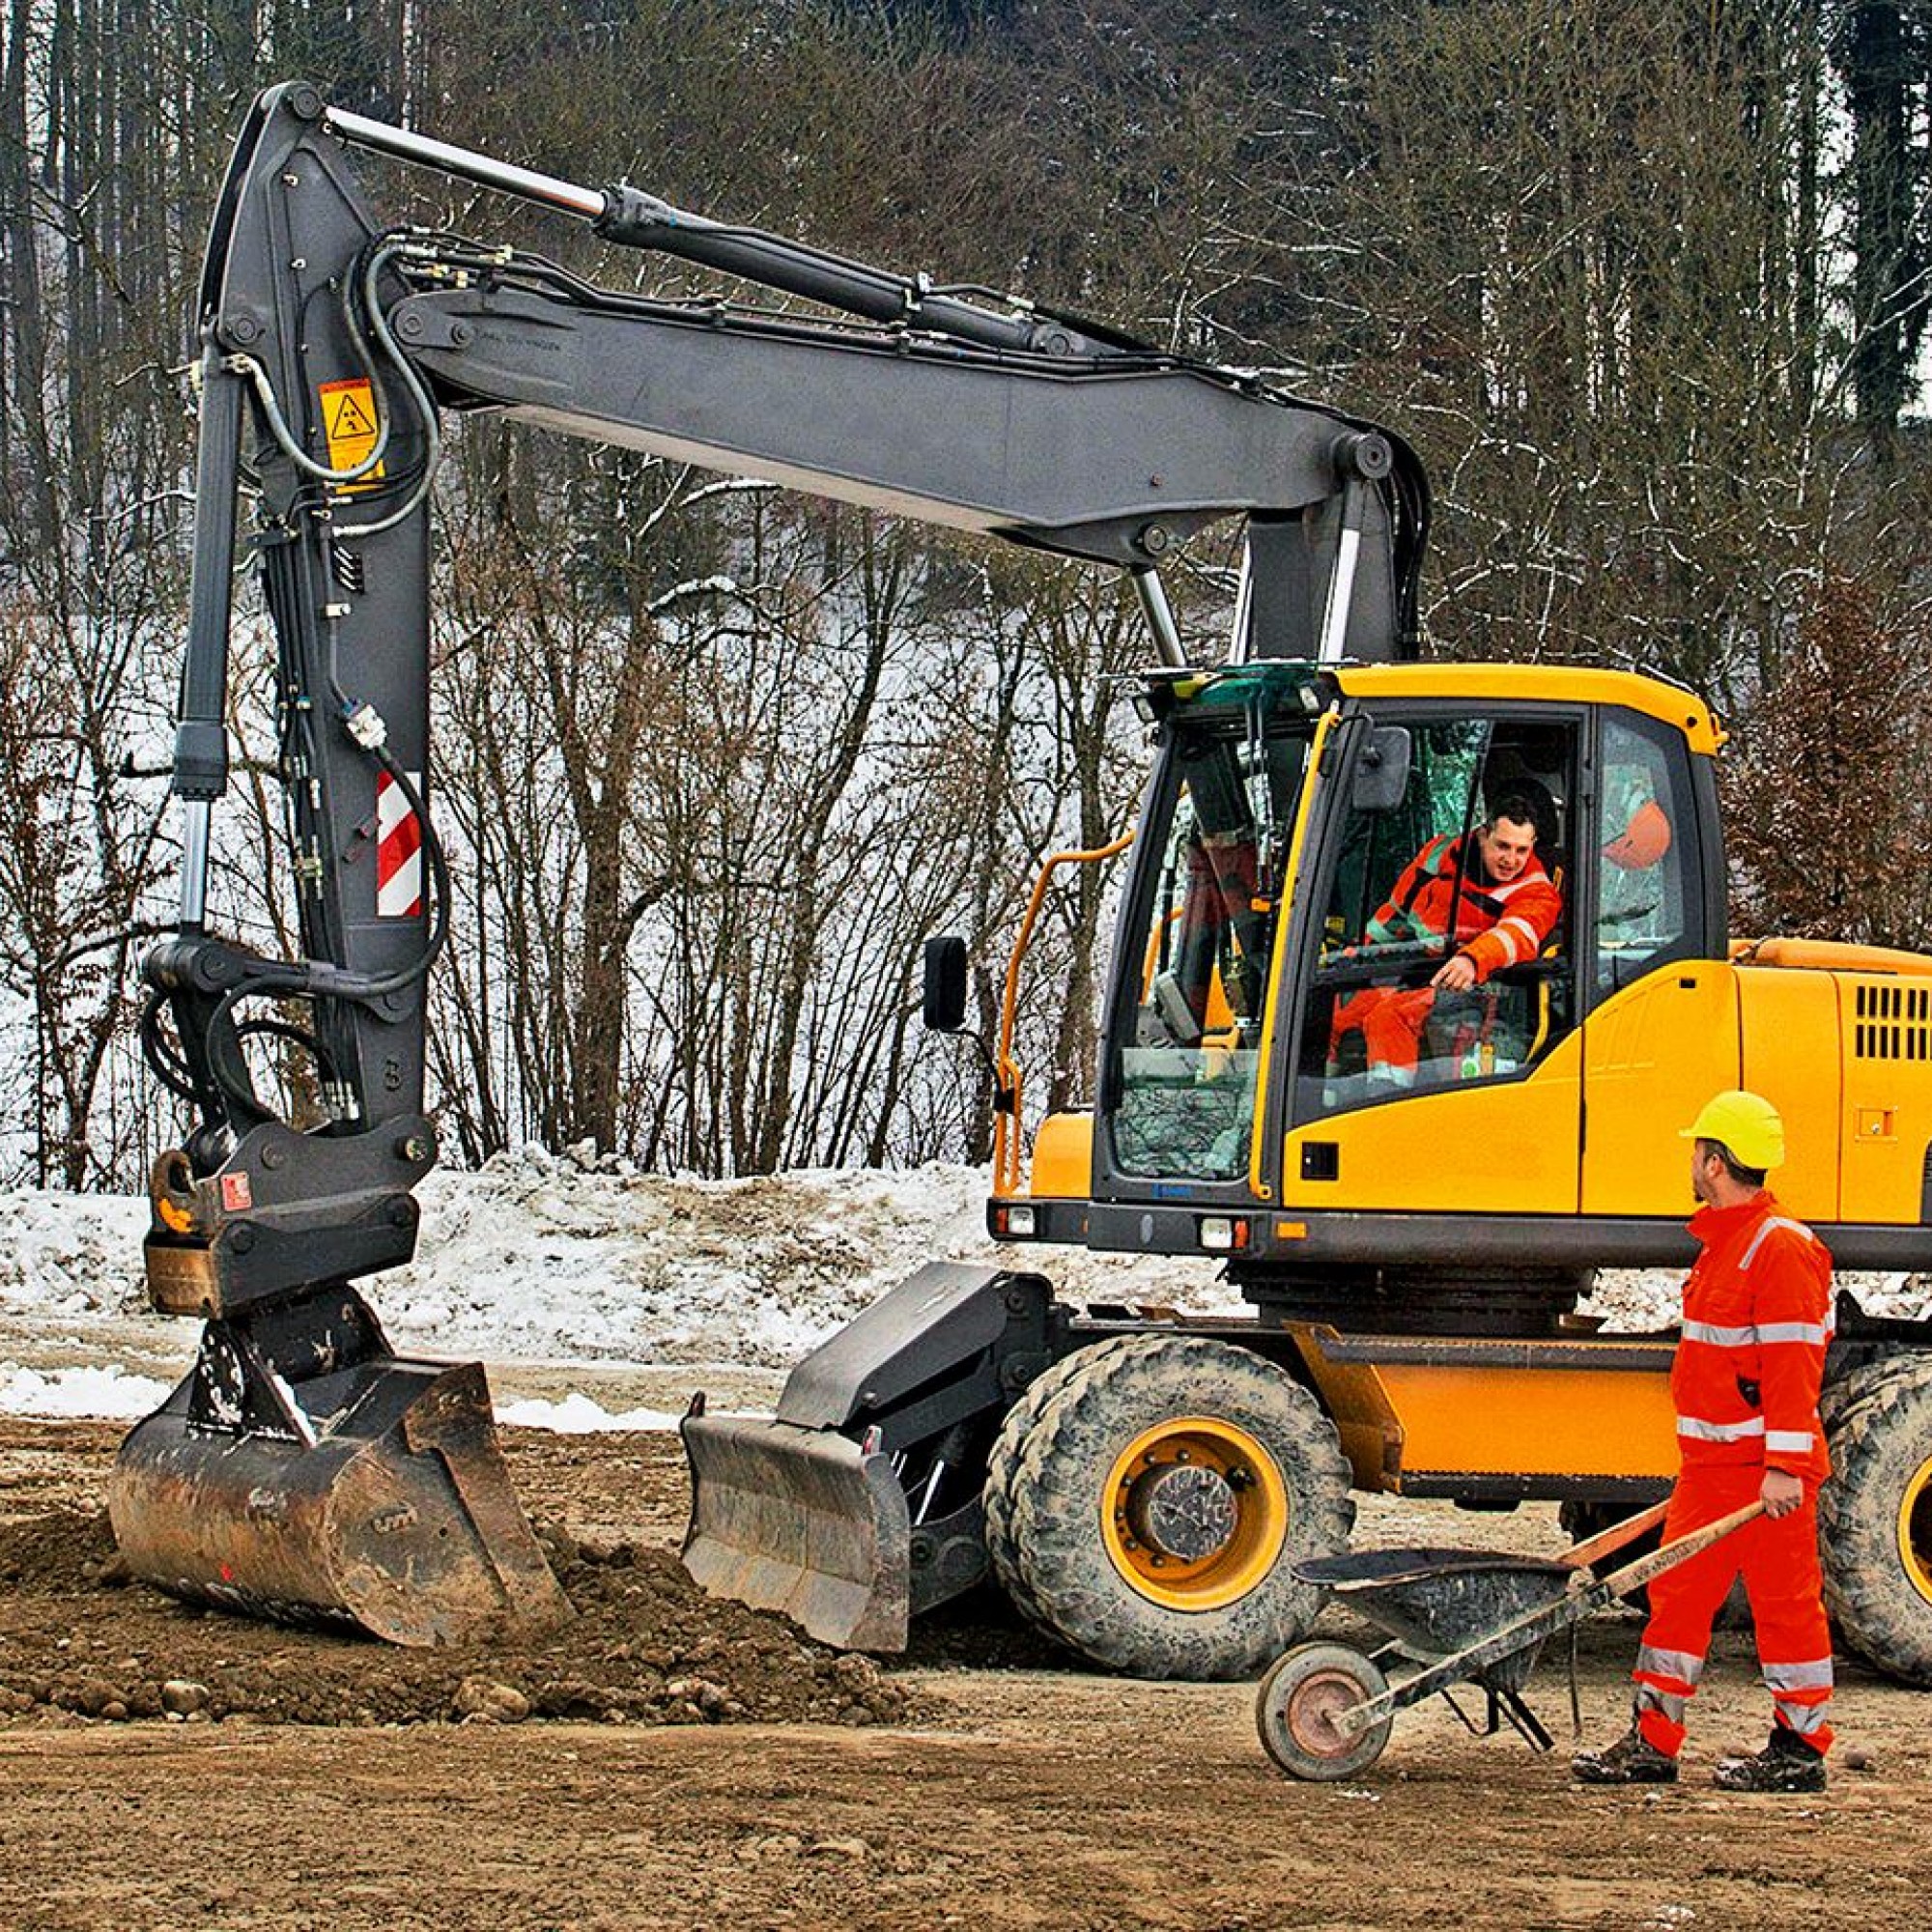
column 1787, row 1763
column 1632, row 1760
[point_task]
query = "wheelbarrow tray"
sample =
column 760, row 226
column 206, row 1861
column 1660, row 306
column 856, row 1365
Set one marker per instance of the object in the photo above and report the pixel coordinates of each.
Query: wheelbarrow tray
column 1435, row 1602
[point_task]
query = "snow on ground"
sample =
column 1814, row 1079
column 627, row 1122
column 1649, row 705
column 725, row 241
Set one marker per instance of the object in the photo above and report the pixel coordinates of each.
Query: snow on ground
column 551, row 1258
column 590, row 1267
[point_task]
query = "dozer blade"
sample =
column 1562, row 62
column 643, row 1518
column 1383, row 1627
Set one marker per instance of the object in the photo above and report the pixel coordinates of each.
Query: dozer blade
column 375, row 1496
column 801, row 1520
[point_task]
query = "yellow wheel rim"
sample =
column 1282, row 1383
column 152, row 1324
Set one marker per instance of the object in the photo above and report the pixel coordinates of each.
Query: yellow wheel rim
column 1914, row 1530
column 1194, row 1514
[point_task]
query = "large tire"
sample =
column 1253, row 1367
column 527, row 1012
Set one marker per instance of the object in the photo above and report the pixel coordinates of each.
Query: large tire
column 1875, row 1519
column 1842, row 1391
column 1000, row 1493
column 1201, row 1442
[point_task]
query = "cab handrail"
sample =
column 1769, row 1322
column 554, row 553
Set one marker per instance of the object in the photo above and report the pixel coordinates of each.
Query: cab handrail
column 1006, row 1069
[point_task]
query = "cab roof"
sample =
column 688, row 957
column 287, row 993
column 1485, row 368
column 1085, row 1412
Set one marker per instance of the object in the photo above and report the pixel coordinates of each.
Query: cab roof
column 1542, row 684
column 1277, row 681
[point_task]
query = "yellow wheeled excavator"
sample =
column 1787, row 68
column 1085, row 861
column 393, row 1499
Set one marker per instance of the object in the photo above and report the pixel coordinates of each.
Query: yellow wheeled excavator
column 1412, row 1235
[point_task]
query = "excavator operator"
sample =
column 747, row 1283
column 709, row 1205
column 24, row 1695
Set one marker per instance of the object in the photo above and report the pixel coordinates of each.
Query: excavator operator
column 1490, row 889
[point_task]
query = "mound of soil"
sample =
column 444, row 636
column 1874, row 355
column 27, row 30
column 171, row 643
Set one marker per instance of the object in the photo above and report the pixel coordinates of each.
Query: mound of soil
column 646, row 1647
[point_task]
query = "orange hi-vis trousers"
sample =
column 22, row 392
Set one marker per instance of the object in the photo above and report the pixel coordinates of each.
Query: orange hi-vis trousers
column 1778, row 1562
column 1391, row 1020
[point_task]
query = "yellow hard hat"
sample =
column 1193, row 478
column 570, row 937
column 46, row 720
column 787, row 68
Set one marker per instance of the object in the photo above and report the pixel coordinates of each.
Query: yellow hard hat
column 1746, row 1123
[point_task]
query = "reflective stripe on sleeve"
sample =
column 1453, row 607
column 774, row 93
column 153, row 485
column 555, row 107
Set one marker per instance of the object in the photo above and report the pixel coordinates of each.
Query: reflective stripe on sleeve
column 1719, row 1338
column 1722, row 1432
column 1788, row 1441
column 1817, row 1333
column 1525, row 947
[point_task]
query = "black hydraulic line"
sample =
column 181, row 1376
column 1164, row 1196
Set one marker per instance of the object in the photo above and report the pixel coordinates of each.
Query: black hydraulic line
column 635, row 219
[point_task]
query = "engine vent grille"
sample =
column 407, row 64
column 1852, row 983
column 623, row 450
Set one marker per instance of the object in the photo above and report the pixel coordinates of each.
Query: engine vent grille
column 1892, row 1022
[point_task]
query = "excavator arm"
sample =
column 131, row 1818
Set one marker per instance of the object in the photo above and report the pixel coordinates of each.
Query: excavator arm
column 332, row 344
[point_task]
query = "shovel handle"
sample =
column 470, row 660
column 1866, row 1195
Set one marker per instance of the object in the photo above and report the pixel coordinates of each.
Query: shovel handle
column 1581, row 1555
column 1668, row 1555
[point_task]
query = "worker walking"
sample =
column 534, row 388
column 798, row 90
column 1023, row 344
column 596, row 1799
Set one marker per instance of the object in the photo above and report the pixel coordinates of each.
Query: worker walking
column 1757, row 1317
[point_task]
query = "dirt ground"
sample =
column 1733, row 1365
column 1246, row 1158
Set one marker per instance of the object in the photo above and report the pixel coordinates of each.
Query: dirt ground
column 684, row 1764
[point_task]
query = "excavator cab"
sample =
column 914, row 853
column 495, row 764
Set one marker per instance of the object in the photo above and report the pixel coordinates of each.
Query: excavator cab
column 1273, row 1039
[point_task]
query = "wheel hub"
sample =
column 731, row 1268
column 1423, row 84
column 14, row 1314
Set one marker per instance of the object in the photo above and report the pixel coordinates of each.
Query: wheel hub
column 1315, row 1712
column 1195, row 1513
column 1183, row 1511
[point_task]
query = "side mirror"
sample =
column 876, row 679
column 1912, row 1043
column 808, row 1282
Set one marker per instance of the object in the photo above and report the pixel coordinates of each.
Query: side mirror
column 944, row 1004
column 1381, row 771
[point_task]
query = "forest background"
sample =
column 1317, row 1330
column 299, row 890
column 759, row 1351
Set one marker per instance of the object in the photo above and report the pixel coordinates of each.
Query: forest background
column 1647, row 290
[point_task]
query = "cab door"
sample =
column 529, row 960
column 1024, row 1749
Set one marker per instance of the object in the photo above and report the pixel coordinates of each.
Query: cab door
column 1403, row 1097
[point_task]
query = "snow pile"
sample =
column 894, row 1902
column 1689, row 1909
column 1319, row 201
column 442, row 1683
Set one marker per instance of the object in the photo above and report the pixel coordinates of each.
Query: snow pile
column 577, row 1415
column 543, row 1257
column 552, row 1259
column 70, row 1255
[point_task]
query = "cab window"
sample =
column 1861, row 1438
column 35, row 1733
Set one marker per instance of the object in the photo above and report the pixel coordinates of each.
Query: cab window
column 1444, row 956
column 1644, row 883
column 1190, row 1050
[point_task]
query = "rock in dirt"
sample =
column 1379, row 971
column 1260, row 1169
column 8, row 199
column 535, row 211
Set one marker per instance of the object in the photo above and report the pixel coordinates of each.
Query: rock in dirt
column 490, row 1703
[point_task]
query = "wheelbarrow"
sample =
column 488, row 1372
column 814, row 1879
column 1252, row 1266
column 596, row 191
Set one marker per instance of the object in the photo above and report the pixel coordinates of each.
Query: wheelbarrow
column 1325, row 1711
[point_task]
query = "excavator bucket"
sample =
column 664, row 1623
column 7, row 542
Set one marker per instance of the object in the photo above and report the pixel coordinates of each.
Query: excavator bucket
column 374, row 1494
column 801, row 1520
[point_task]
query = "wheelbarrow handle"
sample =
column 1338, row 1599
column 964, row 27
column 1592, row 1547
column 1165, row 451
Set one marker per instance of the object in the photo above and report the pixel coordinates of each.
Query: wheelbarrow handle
column 1667, row 1556
column 1581, row 1556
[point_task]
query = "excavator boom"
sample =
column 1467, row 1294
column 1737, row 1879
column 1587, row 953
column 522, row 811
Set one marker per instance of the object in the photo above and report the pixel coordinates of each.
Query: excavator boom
column 302, row 1468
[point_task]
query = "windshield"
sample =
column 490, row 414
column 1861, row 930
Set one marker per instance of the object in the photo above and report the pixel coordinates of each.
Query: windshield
column 1190, row 1049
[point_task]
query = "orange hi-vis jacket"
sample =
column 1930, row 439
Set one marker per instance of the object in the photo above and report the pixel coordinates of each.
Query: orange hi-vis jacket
column 1757, row 1320
column 1494, row 926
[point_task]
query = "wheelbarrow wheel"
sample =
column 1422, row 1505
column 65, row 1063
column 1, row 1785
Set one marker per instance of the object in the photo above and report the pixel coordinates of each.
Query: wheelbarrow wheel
column 1304, row 1694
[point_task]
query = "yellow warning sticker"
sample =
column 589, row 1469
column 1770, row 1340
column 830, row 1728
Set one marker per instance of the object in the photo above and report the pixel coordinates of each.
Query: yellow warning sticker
column 349, row 421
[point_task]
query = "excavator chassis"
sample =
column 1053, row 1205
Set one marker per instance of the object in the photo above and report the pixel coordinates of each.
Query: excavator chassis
column 302, row 1472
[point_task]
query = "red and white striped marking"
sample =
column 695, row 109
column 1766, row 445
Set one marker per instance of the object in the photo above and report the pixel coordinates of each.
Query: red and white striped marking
column 398, row 851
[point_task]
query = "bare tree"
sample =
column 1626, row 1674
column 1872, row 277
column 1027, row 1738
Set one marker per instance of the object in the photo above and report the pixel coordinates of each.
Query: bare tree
column 1826, row 794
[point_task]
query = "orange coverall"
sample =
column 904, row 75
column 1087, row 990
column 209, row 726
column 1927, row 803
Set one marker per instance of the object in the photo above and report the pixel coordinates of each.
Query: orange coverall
column 1495, row 926
column 1757, row 1318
